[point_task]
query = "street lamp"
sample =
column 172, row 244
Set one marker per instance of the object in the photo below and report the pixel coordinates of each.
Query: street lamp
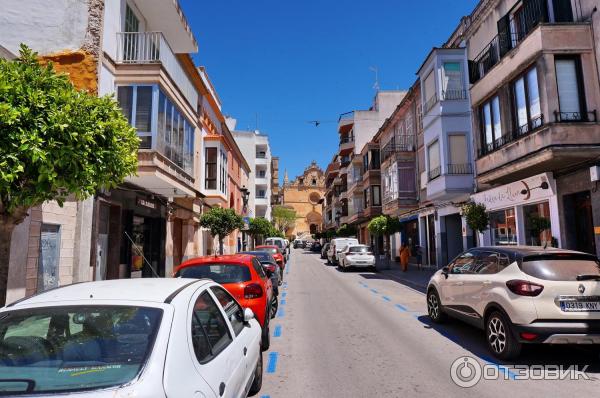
column 245, row 194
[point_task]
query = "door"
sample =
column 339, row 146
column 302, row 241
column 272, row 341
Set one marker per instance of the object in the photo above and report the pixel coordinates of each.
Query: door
column 219, row 357
column 245, row 338
column 580, row 234
column 452, row 288
column 431, row 239
column 49, row 257
column 478, row 283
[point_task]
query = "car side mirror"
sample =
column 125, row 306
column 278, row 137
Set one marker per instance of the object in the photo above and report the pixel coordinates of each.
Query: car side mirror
column 445, row 271
column 248, row 315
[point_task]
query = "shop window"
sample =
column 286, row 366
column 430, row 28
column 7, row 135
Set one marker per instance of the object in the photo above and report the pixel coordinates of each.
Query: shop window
column 210, row 180
column 503, row 227
column 49, row 257
column 537, row 224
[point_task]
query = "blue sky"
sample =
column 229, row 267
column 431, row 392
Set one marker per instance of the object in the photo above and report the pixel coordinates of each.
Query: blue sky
column 286, row 63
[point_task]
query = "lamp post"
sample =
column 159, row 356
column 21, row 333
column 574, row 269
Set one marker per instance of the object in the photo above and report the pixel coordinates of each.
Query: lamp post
column 245, row 195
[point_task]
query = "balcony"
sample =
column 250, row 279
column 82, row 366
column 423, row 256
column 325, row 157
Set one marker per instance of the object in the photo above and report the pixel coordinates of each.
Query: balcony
column 404, row 143
column 346, row 144
column 454, row 95
column 575, row 117
column 147, row 48
column 261, row 181
column 160, row 175
column 535, row 123
column 459, row 169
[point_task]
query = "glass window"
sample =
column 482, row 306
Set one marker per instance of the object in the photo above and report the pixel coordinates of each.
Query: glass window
column 562, row 267
column 452, row 81
column 521, row 102
column 376, row 189
column 161, row 125
column 463, row 264
column 488, row 124
column 210, row 334
column 433, row 152
column 568, row 87
column 67, row 349
column 132, row 23
column 210, row 182
column 258, row 268
column 496, row 117
column 527, row 102
column 234, row 311
column 143, row 109
column 429, row 87
column 533, row 94
column 503, row 227
column 220, row 273
column 49, row 257
column 458, row 152
column 125, row 98
column 537, row 224
column 169, row 130
column 486, row 263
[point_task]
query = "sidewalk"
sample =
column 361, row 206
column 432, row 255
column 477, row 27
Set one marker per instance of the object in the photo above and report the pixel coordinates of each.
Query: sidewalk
column 414, row 277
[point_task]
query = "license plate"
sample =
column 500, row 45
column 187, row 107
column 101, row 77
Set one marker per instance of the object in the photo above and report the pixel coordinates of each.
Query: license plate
column 580, row 306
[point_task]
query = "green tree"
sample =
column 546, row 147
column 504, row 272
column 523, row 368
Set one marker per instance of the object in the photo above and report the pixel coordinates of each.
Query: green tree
column 346, row 230
column 476, row 216
column 221, row 222
column 284, row 218
column 56, row 142
column 259, row 227
column 384, row 226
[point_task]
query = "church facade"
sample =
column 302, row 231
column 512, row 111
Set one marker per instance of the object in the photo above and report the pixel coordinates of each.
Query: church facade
column 304, row 195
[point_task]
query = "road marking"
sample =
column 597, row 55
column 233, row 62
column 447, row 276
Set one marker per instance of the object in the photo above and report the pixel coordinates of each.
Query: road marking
column 386, row 298
column 277, row 332
column 401, row 308
column 283, row 302
column 374, row 291
column 283, row 294
column 281, row 312
column 272, row 366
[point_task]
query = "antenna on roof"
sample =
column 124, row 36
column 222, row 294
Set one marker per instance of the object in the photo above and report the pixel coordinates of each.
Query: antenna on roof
column 376, row 85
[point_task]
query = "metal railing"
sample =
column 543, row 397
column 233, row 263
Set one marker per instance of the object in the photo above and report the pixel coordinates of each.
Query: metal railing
column 454, row 95
column 435, row 173
column 346, row 139
column 152, row 48
column 346, row 116
column 459, row 168
column 575, row 117
column 519, row 132
column 403, row 143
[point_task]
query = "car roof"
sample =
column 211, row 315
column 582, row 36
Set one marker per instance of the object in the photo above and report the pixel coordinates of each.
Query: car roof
column 157, row 290
column 266, row 247
column 521, row 251
column 223, row 259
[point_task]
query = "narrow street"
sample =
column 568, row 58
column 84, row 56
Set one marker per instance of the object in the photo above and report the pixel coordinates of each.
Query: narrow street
column 361, row 334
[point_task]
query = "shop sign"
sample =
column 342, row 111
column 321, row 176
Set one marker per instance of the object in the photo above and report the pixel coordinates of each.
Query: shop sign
column 527, row 190
column 146, row 203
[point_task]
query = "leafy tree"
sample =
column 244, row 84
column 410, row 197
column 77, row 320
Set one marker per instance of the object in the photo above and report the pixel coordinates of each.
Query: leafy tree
column 259, row 227
column 284, row 218
column 346, row 230
column 221, row 222
column 56, row 142
column 384, row 226
column 476, row 216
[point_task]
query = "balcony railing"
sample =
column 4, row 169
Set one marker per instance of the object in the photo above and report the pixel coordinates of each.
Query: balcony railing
column 152, row 48
column 261, row 155
column 519, row 132
column 403, row 143
column 575, row 117
column 448, row 95
column 346, row 139
column 430, row 103
column 435, row 173
column 346, row 116
column 460, row 168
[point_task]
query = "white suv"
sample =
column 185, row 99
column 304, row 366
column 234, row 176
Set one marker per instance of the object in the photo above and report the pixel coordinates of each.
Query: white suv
column 521, row 294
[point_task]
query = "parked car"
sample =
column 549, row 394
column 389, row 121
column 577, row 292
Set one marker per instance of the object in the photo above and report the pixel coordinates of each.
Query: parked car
column 520, row 295
column 244, row 278
column 276, row 253
column 297, row 243
column 130, row 337
column 316, row 247
column 337, row 245
column 280, row 243
column 324, row 250
column 357, row 256
column 274, row 272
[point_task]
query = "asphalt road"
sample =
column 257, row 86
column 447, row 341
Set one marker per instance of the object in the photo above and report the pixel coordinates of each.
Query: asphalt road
column 361, row 334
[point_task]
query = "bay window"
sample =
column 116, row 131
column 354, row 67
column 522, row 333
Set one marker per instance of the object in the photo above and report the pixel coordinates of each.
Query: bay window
column 527, row 102
column 210, row 177
column 433, row 160
column 452, row 81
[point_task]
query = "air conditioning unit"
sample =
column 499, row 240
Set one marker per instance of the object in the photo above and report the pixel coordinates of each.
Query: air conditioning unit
column 595, row 173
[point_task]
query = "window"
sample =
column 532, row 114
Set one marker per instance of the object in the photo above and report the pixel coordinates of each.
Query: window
column 210, row 180
column 570, row 91
column 49, row 257
column 375, row 161
column 429, row 93
column 366, row 195
column 492, row 127
column 261, row 173
column 234, row 312
column 261, row 194
column 210, row 333
column 125, row 98
column 132, row 23
column 459, row 159
column 376, row 190
column 537, row 224
column 220, row 273
column 258, row 268
column 463, row 264
column 433, row 159
column 223, row 175
column 486, row 263
column 452, row 81
column 527, row 102
column 143, row 113
column 503, row 227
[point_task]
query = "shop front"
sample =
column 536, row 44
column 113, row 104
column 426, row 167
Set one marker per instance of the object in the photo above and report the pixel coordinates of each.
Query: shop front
column 524, row 212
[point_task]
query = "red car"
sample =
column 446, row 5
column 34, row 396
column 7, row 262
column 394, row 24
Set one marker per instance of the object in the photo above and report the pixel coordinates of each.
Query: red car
column 275, row 251
column 243, row 277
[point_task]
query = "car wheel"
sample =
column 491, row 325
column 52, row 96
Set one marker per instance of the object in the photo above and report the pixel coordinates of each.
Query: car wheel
column 266, row 336
column 434, row 307
column 258, row 376
column 499, row 337
column 274, row 306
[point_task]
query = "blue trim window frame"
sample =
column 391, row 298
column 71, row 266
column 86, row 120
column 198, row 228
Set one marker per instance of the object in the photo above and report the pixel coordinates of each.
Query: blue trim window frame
column 160, row 124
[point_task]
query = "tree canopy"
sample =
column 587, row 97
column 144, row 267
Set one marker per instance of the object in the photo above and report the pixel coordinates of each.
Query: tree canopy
column 284, row 218
column 221, row 222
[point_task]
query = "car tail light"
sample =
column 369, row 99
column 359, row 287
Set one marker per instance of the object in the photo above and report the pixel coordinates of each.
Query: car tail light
column 253, row 290
column 524, row 288
column 270, row 267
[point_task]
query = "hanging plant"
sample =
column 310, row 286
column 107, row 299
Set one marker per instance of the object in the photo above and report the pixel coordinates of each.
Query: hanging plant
column 476, row 216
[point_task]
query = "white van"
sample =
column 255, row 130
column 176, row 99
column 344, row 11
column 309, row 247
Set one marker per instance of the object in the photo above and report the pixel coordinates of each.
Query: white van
column 279, row 242
column 337, row 245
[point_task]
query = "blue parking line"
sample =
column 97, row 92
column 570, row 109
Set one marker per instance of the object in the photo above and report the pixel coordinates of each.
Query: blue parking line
column 501, row 368
column 401, row 308
column 283, row 294
column 283, row 302
column 272, row 366
column 277, row 332
column 386, row 298
column 281, row 312
column 374, row 291
column 265, row 396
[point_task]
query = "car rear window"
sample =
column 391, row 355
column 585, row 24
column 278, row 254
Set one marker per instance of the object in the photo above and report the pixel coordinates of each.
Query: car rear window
column 561, row 267
column 220, row 273
column 358, row 249
column 67, row 349
column 271, row 250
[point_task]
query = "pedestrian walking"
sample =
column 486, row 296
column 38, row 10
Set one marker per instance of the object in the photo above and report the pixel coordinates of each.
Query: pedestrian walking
column 404, row 255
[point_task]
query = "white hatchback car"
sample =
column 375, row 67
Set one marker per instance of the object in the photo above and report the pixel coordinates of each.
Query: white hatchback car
column 358, row 256
column 521, row 294
column 336, row 247
column 132, row 337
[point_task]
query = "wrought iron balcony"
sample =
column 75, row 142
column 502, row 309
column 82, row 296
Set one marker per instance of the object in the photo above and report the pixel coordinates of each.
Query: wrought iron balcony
column 448, row 95
column 575, row 117
column 460, row 168
column 435, row 173
column 519, row 132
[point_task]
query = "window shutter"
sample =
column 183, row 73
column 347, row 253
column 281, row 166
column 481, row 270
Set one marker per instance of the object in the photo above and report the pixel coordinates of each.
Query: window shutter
column 562, row 11
column 473, row 72
column 504, row 39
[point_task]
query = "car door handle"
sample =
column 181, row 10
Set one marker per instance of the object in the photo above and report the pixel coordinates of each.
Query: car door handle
column 245, row 351
column 487, row 282
column 459, row 283
column 221, row 389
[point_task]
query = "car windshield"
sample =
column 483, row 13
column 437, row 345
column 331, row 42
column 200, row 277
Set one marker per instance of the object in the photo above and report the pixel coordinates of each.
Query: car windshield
column 263, row 257
column 561, row 268
column 220, row 273
column 358, row 249
column 65, row 349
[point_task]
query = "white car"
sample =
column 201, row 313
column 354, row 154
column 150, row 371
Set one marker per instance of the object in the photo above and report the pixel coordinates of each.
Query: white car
column 336, row 246
column 280, row 243
column 519, row 295
column 131, row 337
column 357, row 256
